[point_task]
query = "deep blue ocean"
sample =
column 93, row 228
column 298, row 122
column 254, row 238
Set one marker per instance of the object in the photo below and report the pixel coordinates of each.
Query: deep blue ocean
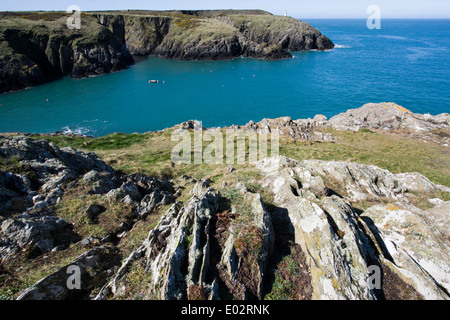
column 406, row 61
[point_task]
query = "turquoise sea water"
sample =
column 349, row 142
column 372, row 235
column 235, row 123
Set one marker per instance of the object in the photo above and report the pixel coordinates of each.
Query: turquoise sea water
column 406, row 62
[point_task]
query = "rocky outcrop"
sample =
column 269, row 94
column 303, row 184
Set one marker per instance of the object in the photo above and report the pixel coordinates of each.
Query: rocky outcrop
column 391, row 116
column 29, row 200
column 343, row 243
column 301, row 129
column 94, row 267
column 40, row 50
column 45, row 172
column 35, row 235
column 204, row 247
column 287, row 33
column 327, row 229
column 47, row 165
column 386, row 117
column 197, row 245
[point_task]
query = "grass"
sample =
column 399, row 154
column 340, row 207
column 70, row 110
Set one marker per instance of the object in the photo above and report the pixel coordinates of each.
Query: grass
column 138, row 281
column 74, row 203
column 202, row 31
column 292, row 279
column 110, row 142
column 20, row 273
column 388, row 151
column 151, row 153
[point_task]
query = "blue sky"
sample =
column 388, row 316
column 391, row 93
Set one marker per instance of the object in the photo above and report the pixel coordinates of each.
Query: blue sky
column 295, row 8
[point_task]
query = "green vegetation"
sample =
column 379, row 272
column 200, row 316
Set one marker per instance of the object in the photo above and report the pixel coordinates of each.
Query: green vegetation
column 44, row 15
column 20, row 273
column 292, row 280
column 76, row 201
column 396, row 153
column 185, row 21
column 151, row 153
column 201, row 31
column 110, row 142
column 139, row 281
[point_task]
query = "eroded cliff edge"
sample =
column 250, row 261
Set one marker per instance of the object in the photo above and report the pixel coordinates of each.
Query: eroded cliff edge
column 38, row 47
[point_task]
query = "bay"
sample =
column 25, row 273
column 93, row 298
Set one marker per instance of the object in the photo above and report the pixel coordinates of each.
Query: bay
column 406, row 62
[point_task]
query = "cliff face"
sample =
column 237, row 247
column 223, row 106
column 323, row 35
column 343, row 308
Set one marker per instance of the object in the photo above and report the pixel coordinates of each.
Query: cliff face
column 194, row 35
column 36, row 48
column 34, row 52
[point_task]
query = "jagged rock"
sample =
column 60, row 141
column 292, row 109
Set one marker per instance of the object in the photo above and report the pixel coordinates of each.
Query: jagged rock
column 200, row 186
column 377, row 116
column 144, row 192
column 235, row 262
column 53, row 196
column 191, row 125
column 152, row 200
column 356, row 181
column 52, row 166
column 181, row 252
column 188, row 249
column 14, row 189
column 126, row 189
column 44, row 233
column 335, row 275
column 101, row 181
column 301, row 129
column 148, row 184
column 410, row 241
column 342, row 245
column 167, row 248
column 95, row 267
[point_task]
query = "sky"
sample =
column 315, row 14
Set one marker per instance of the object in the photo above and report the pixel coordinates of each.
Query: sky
column 301, row 9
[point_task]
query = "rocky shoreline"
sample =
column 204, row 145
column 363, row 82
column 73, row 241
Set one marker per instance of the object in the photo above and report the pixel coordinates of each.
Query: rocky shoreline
column 334, row 221
column 383, row 117
column 37, row 47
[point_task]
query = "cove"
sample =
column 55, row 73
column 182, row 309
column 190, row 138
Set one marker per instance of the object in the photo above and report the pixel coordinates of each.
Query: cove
column 405, row 62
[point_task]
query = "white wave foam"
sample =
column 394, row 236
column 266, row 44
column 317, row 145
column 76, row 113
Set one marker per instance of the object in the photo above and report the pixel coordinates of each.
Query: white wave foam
column 341, row 46
column 77, row 131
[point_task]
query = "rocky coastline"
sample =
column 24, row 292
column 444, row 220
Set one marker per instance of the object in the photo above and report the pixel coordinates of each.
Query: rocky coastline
column 334, row 222
column 37, row 47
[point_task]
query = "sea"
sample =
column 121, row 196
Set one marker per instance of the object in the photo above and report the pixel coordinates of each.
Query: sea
column 406, row 62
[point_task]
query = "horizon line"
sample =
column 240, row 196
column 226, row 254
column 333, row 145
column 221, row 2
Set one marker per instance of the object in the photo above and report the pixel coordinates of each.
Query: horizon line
column 168, row 10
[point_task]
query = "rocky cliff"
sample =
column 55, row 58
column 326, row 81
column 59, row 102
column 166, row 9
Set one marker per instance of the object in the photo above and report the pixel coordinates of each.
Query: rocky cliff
column 38, row 47
column 300, row 229
column 42, row 49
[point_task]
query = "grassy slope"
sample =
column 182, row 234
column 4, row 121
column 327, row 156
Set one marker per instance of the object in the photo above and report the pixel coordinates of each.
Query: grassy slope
column 151, row 154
